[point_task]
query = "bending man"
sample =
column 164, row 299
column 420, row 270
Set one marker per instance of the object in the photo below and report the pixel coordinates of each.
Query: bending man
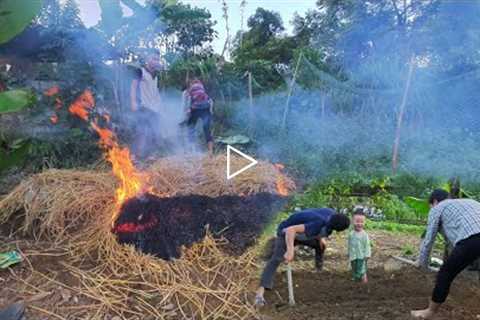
column 304, row 227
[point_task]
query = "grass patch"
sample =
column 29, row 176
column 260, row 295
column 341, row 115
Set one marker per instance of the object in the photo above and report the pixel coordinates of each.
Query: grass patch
column 395, row 227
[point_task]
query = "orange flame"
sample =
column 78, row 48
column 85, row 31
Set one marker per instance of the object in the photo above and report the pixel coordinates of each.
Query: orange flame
column 52, row 91
column 58, row 103
column 130, row 182
column 82, row 106
column 54, row 119
column 281, row 184
column 120, row 158
column 107, row 137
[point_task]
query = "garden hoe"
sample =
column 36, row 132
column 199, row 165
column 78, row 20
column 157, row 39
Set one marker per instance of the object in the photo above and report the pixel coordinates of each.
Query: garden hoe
column 291, row 299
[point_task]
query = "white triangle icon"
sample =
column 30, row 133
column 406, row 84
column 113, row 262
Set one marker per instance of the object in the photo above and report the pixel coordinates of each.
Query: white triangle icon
column 252, row 162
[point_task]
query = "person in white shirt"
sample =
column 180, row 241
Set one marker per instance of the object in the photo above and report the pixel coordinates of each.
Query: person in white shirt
column 146, row 103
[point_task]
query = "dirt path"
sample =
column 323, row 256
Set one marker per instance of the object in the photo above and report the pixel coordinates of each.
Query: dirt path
column 331, row 294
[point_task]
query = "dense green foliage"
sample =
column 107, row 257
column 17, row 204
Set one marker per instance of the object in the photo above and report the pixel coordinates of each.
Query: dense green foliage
column 325, row 97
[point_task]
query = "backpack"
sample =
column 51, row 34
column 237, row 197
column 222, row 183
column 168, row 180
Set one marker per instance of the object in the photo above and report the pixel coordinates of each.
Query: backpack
column 198, row 97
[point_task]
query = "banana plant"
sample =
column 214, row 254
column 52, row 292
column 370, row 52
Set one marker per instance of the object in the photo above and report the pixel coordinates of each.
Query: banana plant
column 15, row 100
column 422, row 207
column 15, row 16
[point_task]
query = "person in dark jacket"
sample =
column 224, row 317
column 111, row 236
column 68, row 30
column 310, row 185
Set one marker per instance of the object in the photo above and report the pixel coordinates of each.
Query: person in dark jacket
column 303, row 227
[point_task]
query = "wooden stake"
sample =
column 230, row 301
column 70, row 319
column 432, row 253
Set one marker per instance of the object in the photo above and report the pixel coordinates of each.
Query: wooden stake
column 396, row 142
column 323, row 105
column 250, row 97
column 285, row 112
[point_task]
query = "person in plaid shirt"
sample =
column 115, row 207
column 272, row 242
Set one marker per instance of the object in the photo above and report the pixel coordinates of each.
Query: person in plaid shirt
column 458, row 220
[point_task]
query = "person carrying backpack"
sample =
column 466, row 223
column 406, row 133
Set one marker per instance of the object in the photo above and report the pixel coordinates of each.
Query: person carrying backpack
column 199, row 106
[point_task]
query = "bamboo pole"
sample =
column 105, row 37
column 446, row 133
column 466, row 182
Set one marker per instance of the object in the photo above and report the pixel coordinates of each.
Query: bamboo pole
column 396, row 142
column 250, row 97
column 292, row 83
column 323, row 105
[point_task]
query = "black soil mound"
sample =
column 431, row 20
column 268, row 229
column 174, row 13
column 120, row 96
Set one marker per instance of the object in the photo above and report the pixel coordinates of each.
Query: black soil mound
column 160, row 226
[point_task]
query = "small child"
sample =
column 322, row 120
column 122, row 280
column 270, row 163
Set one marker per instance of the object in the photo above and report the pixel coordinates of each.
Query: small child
column 359, row 247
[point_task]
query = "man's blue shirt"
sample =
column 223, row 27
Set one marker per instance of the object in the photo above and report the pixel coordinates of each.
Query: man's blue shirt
column 315, row 221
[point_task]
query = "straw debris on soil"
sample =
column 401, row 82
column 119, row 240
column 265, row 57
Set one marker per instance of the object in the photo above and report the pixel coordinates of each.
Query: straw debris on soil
column 73, row 210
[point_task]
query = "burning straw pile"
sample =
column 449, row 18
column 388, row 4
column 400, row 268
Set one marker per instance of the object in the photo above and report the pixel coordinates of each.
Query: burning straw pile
column 74, row 209
column 206, row 176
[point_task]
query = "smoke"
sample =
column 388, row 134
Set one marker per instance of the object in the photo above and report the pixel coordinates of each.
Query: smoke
column 107, row 58
column 354, row 128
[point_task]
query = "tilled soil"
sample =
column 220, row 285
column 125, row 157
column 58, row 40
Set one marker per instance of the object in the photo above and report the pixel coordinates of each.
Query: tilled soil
column 331, row 294
column 327, row 295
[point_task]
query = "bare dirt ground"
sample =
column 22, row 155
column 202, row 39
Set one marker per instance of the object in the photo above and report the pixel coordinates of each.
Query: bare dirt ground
column 331, row 294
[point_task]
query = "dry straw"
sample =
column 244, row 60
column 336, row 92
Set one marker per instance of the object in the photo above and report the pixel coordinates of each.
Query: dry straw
column 73, row 209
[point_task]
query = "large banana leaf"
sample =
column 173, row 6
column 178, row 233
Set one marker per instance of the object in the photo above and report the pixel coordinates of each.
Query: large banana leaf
column 15, row 100
column 15, row 15
column 420, row 206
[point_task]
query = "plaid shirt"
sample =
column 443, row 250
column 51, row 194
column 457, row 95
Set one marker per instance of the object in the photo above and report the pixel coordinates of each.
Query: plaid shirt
column 456, row 219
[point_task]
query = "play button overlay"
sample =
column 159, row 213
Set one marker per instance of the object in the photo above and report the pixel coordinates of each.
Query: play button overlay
column 244, row 156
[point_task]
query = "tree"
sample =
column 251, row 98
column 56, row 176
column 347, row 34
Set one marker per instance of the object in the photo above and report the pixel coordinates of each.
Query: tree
column 264, row 25
column 192, row 27
column 111, row 16
column 262, row 50
column 70, row 18
column 50, row 14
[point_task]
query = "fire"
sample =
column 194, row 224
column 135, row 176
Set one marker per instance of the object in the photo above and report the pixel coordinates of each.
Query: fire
column 83, row 105
column 281, row 183
column 120, row 158
column 58, row 103
column 107, row 137
column 52, row 91
column 54, row 119
column 130, row 182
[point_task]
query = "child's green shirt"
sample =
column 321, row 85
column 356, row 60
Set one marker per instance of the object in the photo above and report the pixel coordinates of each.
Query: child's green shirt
column 358, row 245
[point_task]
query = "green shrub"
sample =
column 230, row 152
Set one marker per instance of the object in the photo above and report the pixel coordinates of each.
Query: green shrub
column 393, row 208
column 74, row 149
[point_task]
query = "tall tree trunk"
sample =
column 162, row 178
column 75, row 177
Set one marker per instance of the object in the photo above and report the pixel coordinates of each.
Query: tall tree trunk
column 401, row 112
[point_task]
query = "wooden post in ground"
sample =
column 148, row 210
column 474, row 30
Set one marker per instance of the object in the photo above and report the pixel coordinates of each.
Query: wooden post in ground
column 401, row 112
column 324, row 97
column 292, row 83
column 250, row 98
